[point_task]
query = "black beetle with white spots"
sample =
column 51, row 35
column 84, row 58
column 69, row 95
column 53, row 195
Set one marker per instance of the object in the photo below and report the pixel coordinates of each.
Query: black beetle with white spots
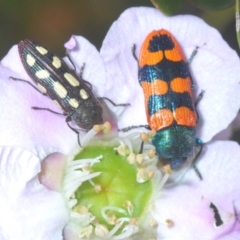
column 55, row 79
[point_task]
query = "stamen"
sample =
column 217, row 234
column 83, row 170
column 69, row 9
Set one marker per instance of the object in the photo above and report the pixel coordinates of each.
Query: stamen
column 131, row 158
column 106, row 127
column 72, row 186
column 83, row 219
column 141, row 176
column 123, row 148
column 110, row 217
column 98, row 188
column 163, row 180
column 169, row 223
column 88, row 137
column 144, row 137
column 85, row 161
column 86, row 232
column 81, row 209
column 139, row 158
column 114, row 230
column 150, row 173
column 101, row 230
column 152, row 133
column 127, row 231
column 151, row 153
column 153, row 223
column 167, row 169
column 128, row 204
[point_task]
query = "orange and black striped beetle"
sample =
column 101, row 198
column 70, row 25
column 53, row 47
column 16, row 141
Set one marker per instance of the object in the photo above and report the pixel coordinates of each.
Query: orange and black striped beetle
column 170, row 109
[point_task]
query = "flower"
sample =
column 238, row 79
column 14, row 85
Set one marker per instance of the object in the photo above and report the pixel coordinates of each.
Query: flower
column 215, row 69
column 26, row 206
column 188, row 203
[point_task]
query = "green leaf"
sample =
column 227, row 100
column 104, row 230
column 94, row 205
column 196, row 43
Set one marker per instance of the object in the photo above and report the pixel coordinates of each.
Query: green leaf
column 238, row 21
column 168, row 7
column 212, row 4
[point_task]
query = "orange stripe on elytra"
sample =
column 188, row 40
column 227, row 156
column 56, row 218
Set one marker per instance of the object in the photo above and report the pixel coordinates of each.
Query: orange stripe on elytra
column 149, row 58
column 185, row 116
column 175, row 54
column 181, row 85
column 161, row 119
column 157, row 87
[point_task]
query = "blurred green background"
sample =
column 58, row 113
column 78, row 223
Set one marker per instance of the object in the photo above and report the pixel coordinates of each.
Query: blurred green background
column 52, row 22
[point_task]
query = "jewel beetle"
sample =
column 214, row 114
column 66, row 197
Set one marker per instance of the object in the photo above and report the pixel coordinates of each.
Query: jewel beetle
column 170, row 108
column 167, row 86
column 55, row 79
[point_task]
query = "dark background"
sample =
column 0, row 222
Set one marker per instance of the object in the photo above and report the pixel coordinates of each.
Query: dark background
column 52, row 22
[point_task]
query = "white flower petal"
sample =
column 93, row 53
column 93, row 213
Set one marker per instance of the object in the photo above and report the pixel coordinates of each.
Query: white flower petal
column 28, row 210
column 187, row 203
column 40, row 132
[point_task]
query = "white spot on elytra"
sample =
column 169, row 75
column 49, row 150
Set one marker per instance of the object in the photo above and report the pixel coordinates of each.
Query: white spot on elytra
column 73, row 102
column 60, row 89
column 41, row 50
column 57, row 103
column 83, row 94
column 41, row 88
column 42, row 74
column 71, row 79
column 30, row 60
column 56, row 62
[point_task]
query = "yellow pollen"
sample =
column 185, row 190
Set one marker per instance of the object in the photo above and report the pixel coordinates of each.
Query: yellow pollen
column 152, row 133
column 128, row 204
column 97, row 127
column 153, row 223
column 139, row 158
column 169, row 223
column 81, row 209
column 112, row 219
column 144, row 137
column 131, row 158
column 133, row 221
column 97, row 188
column 101, row 231
column 141, row 174
column 151, row 153
column 167, row 169
column 150, row 174
column 106, row 127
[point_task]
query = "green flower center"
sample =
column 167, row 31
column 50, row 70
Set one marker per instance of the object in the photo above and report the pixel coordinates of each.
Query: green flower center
column 110, row 189
column 116, row 186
